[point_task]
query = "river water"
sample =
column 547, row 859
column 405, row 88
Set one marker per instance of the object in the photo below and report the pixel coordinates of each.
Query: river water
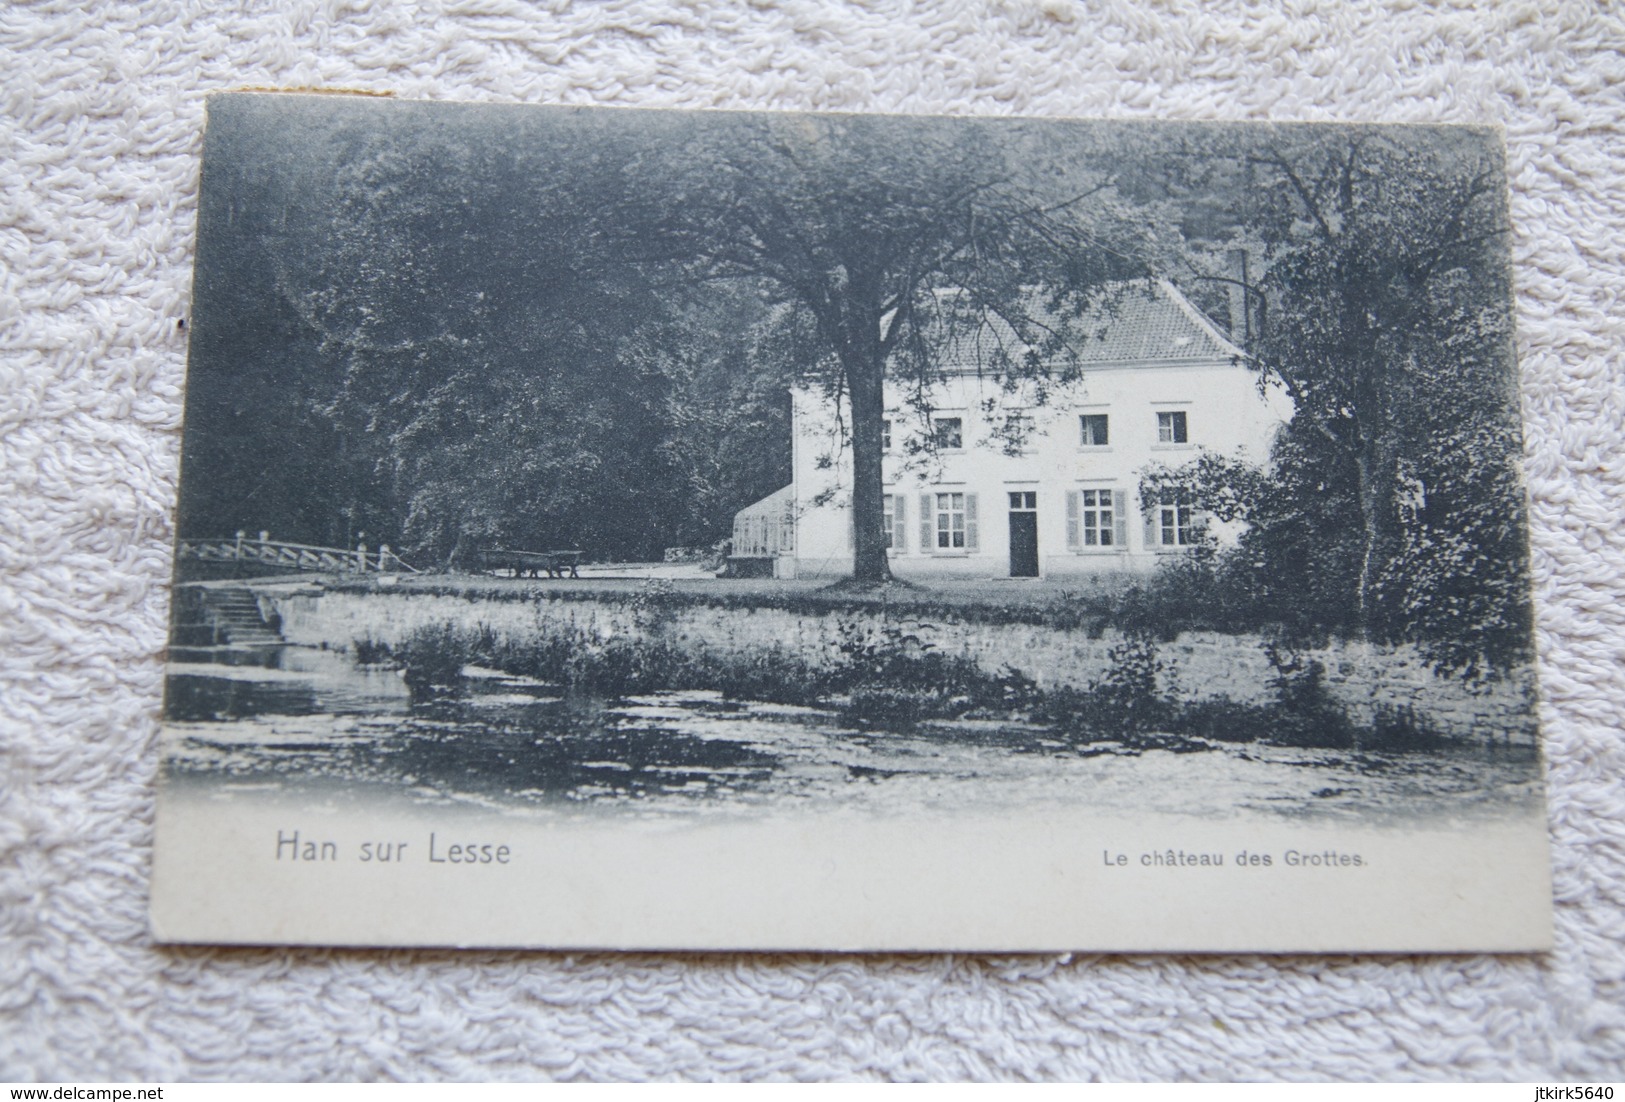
column 295, row 719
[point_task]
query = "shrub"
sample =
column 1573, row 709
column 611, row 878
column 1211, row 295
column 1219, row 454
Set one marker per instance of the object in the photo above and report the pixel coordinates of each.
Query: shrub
column 1069, row 711
column 371, row 652
column 1304, row 714
column 1400, row 729
column 1123, row 705
column 770, row 675
column 894, row 671
column 654, row 605
column 1128, row 697
column 1221, row 719
column 432, row 660
column 886, row 705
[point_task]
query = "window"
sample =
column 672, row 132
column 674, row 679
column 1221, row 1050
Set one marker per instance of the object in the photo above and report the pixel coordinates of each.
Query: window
column 893, row 505
column 1093, row 429
column 1176, row 521
column 947, row 523
column 1096, row 520
column 1023, row 501
column 950, row 522
column 885, row 435
column 1171, row 428
column 948, row 432
column 1016, row 433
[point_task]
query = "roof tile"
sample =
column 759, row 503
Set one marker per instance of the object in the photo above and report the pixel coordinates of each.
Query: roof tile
column 1149, row 322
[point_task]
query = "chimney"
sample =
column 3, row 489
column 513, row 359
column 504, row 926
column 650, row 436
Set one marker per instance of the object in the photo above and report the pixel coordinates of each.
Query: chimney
column 1239, row 295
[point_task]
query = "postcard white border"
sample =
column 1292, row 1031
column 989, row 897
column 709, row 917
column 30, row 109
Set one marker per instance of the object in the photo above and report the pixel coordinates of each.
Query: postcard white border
column 1060, row 881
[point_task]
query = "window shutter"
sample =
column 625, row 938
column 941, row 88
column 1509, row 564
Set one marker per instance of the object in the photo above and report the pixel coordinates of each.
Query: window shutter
column 852, row 527
column 927, row 542
column 1120, row 516
column 899, row 523
column 1073, row 539
column 970, row 522
column 1150, row 519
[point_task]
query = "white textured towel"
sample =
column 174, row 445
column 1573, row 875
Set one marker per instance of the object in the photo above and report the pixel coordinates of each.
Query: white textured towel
column 98, row 180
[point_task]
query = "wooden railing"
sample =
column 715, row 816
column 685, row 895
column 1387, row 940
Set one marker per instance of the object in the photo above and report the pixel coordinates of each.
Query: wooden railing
column 295, row 556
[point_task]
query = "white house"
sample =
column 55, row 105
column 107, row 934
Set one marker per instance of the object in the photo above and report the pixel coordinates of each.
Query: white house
column 1059, row 496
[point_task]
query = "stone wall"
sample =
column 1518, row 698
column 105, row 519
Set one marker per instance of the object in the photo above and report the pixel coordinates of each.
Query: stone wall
column 1359, row 676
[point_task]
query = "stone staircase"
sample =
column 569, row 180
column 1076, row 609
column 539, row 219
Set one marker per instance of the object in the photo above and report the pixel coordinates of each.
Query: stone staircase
column 212, row 616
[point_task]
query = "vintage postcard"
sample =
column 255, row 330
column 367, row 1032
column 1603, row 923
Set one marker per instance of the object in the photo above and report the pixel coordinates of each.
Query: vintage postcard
column 643, row 529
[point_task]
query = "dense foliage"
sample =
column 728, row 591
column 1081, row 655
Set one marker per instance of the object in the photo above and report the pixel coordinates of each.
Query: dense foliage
column 1393, row 508
column 459, row 328
column 408, row 330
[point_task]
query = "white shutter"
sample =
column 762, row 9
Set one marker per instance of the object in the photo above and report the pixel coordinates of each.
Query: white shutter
column 1120, row 516
column 1150, row 519
column 970, row 522
column 899, row 523
column 926, row 534
column 1074, row 540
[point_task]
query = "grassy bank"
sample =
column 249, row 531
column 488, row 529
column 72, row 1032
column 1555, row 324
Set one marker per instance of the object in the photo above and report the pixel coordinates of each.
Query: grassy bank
column 1150, row 608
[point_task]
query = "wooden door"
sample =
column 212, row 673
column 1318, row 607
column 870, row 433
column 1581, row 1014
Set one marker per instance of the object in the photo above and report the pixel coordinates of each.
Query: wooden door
column 1023, row 534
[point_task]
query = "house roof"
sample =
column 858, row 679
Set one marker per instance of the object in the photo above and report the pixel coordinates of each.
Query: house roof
column 774, row 505
column 1142, row 323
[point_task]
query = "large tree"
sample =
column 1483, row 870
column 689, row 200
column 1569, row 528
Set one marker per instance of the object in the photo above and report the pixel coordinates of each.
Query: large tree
column 888, row 237
column 413, row 322
column 1381, row 301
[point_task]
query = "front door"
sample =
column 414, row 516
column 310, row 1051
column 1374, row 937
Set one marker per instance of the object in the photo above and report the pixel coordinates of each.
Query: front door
column 1023, row 534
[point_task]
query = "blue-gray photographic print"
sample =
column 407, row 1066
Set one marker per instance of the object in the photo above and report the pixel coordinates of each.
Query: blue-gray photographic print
column 615, row 528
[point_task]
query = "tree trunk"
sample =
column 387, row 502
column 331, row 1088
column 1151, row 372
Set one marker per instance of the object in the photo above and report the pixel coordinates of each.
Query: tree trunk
column 1367, row 367
column 865, row 379
column 458, row 556
column 1369, row 537
column 1375, row 466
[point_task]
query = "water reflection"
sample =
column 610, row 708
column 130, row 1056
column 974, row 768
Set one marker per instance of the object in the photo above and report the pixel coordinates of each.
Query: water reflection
column 224, row 683
column 294, row 716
